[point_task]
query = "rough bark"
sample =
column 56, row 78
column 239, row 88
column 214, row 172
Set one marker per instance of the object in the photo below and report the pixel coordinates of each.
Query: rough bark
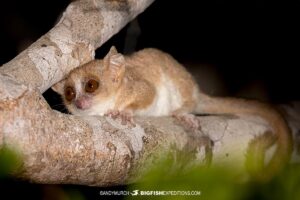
column 84, row 26
column 60, row 148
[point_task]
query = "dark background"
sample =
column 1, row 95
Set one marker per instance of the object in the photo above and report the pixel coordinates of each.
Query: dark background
column 244, row 48
column 237, row 48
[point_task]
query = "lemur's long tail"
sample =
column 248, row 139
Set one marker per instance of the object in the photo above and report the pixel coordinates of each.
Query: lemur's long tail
column 281, row 132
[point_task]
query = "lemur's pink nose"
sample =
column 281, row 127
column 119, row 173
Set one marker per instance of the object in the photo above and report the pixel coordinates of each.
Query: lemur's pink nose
column 83, row 102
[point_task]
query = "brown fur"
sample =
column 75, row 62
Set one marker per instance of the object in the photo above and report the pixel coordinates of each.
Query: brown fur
column 150, row 63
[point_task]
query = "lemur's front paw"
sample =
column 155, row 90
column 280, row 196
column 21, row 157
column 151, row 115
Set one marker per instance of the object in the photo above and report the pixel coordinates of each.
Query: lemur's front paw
column 188, row 121
column 126, row 117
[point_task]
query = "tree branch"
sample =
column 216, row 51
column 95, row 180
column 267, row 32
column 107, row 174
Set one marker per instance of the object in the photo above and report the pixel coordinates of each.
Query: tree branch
column 84, row 26
column 59, row 148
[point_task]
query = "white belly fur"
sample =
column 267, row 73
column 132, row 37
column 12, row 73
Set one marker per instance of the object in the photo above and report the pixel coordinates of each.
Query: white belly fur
column 167, row 100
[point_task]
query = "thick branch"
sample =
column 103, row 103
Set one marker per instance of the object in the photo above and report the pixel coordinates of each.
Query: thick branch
column 58, row 148
column 84, row 26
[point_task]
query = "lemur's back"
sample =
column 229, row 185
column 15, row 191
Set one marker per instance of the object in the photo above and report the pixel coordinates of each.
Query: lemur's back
column 161, row 68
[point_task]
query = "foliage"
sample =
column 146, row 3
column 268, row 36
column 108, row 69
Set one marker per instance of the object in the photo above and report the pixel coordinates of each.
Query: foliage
column 215, row 182
column 9, row 162
column 218, row 182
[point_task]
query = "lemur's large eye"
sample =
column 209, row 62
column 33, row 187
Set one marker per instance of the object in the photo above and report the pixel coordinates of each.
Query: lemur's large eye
column 91, row 86
column 70, row 93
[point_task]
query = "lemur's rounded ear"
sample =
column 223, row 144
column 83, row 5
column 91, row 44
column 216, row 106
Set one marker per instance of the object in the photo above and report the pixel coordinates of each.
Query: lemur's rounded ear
column 115, row 63
column 113, row 57
column 113, row 51
column 59, row 87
